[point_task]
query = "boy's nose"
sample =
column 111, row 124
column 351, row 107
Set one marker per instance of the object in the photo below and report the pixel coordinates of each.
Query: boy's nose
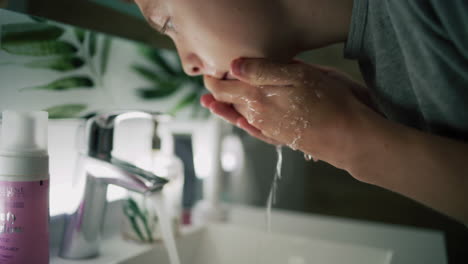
column 194, row 71
column 193, row 65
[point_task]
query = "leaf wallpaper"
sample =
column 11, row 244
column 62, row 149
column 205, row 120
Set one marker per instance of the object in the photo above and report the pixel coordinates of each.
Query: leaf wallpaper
column 71, row 72
column 166, row 80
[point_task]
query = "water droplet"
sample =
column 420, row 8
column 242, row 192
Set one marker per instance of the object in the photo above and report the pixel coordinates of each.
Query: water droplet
column 318, row 93
column 272, row 196
column 294, row 143
column 309, row 157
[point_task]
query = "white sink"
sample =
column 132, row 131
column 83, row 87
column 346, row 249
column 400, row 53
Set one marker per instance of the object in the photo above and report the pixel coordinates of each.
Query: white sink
column 228, row 244
column 296, row 239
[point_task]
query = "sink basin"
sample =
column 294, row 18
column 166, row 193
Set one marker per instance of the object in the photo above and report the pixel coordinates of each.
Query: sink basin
column 229, row 244
column 297, row 238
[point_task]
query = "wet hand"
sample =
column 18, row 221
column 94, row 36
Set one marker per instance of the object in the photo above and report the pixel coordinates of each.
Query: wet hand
column 310, row 108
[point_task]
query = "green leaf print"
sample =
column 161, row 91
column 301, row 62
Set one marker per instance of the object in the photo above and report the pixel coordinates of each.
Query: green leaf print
column 186, row 101
column 106, row 46
column 65, row 111
column 29, row 32
column 92, row 43
column 158, row 92
column 154, row 56
column 65, row 84
column 148, row 74
column 79, row 34
column 61, row 64
column 38, row 19
column 39, row 48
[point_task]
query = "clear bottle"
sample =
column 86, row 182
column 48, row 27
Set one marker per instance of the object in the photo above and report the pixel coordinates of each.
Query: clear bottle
column 24, row 188
column 142, row 222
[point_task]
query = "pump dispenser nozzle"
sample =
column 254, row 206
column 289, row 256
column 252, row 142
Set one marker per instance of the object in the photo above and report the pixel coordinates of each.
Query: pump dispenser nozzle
column 24, row 133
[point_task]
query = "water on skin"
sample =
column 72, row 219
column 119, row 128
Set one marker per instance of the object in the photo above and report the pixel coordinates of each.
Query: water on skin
column 296, row 119
column 252, row 113
column 166, row 227
column 309, row 157
column 272, row 196
column 299, row 123
column 294, row 143
column 318, row 94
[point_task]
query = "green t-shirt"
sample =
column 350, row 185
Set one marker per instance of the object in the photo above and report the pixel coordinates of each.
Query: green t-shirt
column 413, row 55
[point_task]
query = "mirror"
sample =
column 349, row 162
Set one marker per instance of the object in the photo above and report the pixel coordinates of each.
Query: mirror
column 115, row 17
column 71, row 72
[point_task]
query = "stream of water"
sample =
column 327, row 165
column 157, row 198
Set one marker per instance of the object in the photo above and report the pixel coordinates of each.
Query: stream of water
column 274, row 186
column 166, row 227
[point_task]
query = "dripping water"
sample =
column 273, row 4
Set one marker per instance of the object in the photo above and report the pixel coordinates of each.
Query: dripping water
column 272, row 196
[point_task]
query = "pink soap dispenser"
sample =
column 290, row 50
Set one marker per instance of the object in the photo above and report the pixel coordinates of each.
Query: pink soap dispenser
column 24, row 188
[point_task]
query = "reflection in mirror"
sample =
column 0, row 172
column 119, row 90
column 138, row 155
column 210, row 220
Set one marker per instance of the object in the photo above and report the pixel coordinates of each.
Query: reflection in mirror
column 70, row 71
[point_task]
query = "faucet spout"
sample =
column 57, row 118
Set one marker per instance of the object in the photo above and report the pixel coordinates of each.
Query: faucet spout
column 124, row 174
column 98, row 169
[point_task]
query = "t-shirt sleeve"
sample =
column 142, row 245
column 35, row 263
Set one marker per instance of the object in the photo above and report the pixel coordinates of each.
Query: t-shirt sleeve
column 433, row 38
column 357, row 26
column 452, row 18
column 414, row 55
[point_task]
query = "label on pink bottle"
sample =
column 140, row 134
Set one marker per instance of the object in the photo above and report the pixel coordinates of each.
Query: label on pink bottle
column 24, row 222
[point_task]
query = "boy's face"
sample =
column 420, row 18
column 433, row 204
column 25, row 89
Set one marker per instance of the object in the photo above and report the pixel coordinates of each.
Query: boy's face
column 209, row 34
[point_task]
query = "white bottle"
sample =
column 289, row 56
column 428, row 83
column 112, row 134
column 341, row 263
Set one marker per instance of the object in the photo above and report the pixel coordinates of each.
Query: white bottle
column 24, row 188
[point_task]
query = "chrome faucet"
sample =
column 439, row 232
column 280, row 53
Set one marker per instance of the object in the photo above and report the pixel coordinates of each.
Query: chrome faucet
column 96, row 169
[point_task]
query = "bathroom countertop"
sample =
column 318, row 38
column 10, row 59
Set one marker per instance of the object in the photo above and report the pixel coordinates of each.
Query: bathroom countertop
column 408, row 245
column 113, row 251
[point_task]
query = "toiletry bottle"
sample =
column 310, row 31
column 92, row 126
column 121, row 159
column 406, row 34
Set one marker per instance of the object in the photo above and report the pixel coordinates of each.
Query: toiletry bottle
column 166, row 164
column 142, row 223
column 24, row 188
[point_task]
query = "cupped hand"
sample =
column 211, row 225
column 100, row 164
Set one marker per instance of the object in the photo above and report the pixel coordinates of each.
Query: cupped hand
column 311, row 108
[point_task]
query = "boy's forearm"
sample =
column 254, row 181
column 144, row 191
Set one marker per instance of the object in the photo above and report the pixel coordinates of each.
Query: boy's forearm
column 427, row 168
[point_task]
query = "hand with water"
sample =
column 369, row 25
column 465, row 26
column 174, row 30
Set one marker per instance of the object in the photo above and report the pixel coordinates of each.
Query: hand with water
column 307, row 107
column 328, row 116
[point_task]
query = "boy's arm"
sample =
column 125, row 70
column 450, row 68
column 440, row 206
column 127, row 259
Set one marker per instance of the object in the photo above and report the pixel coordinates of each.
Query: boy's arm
column 427, row 168
column 316, row 111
